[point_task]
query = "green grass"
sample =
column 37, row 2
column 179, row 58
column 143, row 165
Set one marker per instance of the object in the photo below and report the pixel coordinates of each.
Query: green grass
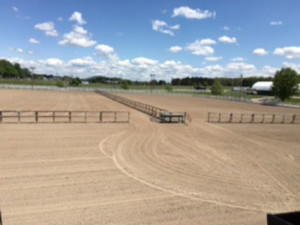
column 293, row 101
column 27, row 82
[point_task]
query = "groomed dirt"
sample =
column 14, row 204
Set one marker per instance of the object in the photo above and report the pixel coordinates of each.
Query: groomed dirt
column 145, row 172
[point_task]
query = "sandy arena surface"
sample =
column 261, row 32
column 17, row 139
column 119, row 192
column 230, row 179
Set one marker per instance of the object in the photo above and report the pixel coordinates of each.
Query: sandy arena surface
column 144, row 172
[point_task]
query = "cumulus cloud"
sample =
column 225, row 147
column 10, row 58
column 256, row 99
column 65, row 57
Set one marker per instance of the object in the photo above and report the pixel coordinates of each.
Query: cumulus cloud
column 201, row 47
column 107, row 51
column 140, row 68
column 78, row 37
column 163, row 27
column 144, row 61
column 77, row 16
column 175, row 49
column 292, row 52
column 82, row 62
column 276, row 23
column 15, row 9
column 226, row 28
column 19, row 50
column 260, row 52
column 48, row 28
column 187, row 12
column 33, row 41
column 293, row 66
column 238, row 59
column 226, row 39
column 52, row 62
column 213, row 58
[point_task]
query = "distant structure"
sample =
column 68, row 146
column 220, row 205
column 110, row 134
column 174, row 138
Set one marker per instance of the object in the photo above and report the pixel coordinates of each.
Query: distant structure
column 263, row 87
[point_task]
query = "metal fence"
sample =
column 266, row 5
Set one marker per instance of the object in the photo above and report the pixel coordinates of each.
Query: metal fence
column 10, row 116
column 216, row 117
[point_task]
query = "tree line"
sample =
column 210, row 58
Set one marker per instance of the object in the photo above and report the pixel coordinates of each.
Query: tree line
column 15, row 71
column 205, row 81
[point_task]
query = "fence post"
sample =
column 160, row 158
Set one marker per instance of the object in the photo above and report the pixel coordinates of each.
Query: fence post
column 283, row 118
column 273, row 118
column 36, row 116
column 294, row 119
column 263, row 118
column 230, row 118
column 115, row 117
column 219, row 118
column 241, row 121
column 70, row 116
column 252, row 118
column 53, row 116
column 100, row 117
column 19, row 116
column 85, row 116
column 0, row 121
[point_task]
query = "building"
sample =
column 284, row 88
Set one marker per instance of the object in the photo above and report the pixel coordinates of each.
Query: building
column 263, row 87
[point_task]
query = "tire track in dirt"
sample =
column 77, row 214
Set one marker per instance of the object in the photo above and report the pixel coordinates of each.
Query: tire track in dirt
column 147, row 153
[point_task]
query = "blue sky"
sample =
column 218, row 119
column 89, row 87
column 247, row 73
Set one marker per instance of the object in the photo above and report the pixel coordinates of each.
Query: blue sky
column 136, row 38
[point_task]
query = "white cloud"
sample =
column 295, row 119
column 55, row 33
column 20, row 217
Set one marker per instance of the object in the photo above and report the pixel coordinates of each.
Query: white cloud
column 241, row 67
column 30, row 52
column 19, row 50
column 105, row 49
column 140, row 68
column 292, row 52
column 276, row 23
column 16, row 9
column 77, row 16
column 293, row 66
column 175, row 49
column 213, row 58
column 48, row 27
column 260, row 52
column 226, row 28
column 238, row 59
column 207, row 41
column 144, row 61
column 187, row 12
column 226, row 39
column 53, row 62
column 78, row 37
column 201, row 47
column 33, row 41
column 163, row 27
column 82, row 62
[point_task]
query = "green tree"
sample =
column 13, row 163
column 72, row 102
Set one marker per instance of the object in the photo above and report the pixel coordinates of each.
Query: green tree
column 285, row 83
column 125, row 85
column 60, row 83
column 75, row 81
column 169, row 88
column 217, row 88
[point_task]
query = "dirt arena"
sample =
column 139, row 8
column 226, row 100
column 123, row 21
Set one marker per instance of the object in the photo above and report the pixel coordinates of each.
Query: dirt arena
column 144, row 172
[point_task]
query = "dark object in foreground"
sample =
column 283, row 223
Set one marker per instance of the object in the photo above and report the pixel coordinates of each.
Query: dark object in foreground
column 0, row 219
column 291, row 218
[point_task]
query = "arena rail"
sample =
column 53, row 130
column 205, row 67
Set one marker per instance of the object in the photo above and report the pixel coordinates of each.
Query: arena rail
column 163, row 115
column 47, row 116
column 216, row 117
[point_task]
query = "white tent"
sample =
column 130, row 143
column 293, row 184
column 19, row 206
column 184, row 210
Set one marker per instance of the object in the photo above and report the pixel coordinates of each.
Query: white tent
column 263, row 86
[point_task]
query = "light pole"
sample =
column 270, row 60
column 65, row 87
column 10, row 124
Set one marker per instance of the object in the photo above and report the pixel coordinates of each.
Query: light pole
column 152, row 81
column 241, row 84
column 32, row 68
